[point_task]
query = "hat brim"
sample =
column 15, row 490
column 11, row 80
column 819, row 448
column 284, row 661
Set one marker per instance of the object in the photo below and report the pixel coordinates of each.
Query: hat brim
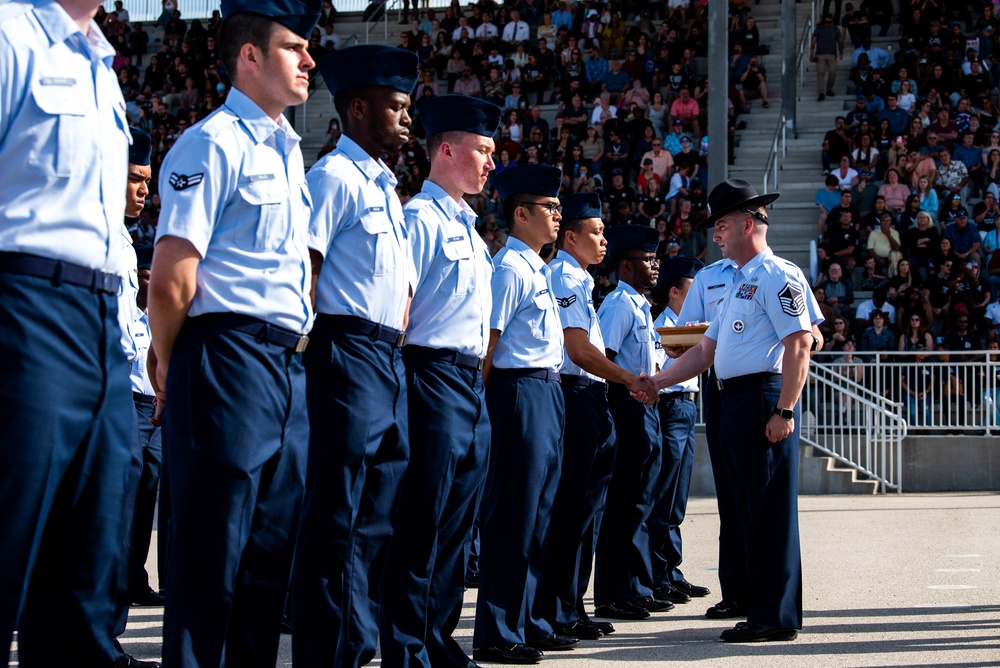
column 752, row 203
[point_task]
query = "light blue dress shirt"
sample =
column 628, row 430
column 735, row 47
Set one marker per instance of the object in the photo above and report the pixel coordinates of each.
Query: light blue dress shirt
column 139, row 372
column 574, row 290
column 627, row 326
column 670, row 319
column 234, row 186
column 704, row 297
column 453, row 300
column 767, row 301
column 524, row 311
column 63, row 138
column 357, row 225
column 128, row 312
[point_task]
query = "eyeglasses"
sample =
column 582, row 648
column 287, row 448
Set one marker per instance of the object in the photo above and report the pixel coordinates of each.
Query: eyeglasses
column 551, row 207
column 651, row 260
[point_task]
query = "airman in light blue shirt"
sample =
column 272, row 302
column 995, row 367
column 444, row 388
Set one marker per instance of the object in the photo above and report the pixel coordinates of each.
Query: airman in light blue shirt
column 524, row 311
column 574, row 292
column 358, row 227
column 63, row 138
column 233, row 186
column 452, row 302
column 627, row 325
column 704, row 298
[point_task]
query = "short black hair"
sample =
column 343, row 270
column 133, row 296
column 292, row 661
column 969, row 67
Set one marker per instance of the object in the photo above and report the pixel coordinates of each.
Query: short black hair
column 512, row 202
column 565, row 226
column 342, row 100
column 239, row 29
column 661, row 293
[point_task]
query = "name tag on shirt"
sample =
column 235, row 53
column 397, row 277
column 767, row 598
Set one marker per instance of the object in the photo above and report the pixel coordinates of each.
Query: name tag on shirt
column 451, row 240
column 376, row 209
column 57, row 81
column 260, row 177
column 542, row 292
column 716, row 287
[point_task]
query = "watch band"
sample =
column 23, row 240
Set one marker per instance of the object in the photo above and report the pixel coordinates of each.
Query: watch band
column 784, row 413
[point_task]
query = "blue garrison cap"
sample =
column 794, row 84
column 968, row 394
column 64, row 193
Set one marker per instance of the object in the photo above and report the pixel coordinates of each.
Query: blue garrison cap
column 370, row 65
column 141, row 149
column 581, row 206
column 541, row 180
column 448, row 113
column 144, row 256
column 679, row 266
column 632, row 237
column 299, row 16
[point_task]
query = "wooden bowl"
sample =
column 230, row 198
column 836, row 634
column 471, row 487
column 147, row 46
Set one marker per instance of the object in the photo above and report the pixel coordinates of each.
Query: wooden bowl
column 681, row 338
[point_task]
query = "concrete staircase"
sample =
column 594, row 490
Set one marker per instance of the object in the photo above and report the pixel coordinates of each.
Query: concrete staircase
column 821, row 474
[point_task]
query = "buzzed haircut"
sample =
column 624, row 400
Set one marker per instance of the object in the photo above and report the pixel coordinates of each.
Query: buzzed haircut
column 240, row 29
column 575, row 226
column 434, row 141
column 342, row 100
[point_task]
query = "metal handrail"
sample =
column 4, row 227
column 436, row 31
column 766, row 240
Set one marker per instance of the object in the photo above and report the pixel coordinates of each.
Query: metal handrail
column 384, row 20
column 778, row 142
column 868, row 439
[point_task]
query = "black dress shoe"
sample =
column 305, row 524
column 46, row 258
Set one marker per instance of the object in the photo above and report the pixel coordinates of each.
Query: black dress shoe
column 668, row 592
column 607, row 628
column 621, row 610
column 578, row 630
column 148, row 597
column 746, row 632
column 472, row 581
column 129, row 660
column 555, row 643
column 507, row 654
column 726, row 610
column 694, row 591
column 653, row 604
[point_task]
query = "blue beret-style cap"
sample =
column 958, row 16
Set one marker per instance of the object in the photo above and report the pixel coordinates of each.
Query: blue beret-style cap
column 632, row 237
column 141, row 149
column 370, row 65
column 581, row 206
column 541, row 180
column 299, row 16
column 448, row 113
column 679, row 266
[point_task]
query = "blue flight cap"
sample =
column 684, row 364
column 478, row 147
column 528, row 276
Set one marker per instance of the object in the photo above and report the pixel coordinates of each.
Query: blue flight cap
column 632, row 237
column 679, row 266
column 370, row 65
column 144, row 256
column 541, row 180
column 581, row 206
column 141, row 149
column 299, row 16
column 448, row 113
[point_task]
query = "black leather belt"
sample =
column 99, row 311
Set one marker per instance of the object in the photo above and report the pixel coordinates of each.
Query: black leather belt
column 582, row 381
column 443, row 354
column 140, row 398
column 263, row 331
column 743, row 381
column 358, row 325
column 59, row 272
column 542, row 374
column 683, row 396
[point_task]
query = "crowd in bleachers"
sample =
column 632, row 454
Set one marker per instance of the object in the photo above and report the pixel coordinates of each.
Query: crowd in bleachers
column 909, row 208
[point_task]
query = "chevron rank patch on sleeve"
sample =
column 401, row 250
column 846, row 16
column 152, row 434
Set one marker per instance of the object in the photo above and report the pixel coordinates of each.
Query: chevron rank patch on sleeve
column 793, row 302
column 185, row 181
column 566, row 302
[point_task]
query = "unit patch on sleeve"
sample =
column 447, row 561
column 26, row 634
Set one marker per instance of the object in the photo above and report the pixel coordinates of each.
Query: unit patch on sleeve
column 566, row 302
column 792, row 300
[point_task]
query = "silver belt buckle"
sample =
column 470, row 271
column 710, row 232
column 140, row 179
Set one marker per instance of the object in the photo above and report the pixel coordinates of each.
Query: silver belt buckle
column 401, row 339
column 302, row 343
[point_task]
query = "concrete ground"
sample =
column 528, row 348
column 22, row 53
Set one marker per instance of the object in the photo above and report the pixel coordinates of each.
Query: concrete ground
column 889, row 581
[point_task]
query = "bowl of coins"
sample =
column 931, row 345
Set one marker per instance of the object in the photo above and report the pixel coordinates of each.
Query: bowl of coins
column 681, row 338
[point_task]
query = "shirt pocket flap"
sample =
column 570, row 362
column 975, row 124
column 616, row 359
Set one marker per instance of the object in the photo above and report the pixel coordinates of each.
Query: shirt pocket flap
column 457, row 248
column 543, row 300
column 375, row 222
column 57, row 99
column 260, row 189
column 743, row 305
